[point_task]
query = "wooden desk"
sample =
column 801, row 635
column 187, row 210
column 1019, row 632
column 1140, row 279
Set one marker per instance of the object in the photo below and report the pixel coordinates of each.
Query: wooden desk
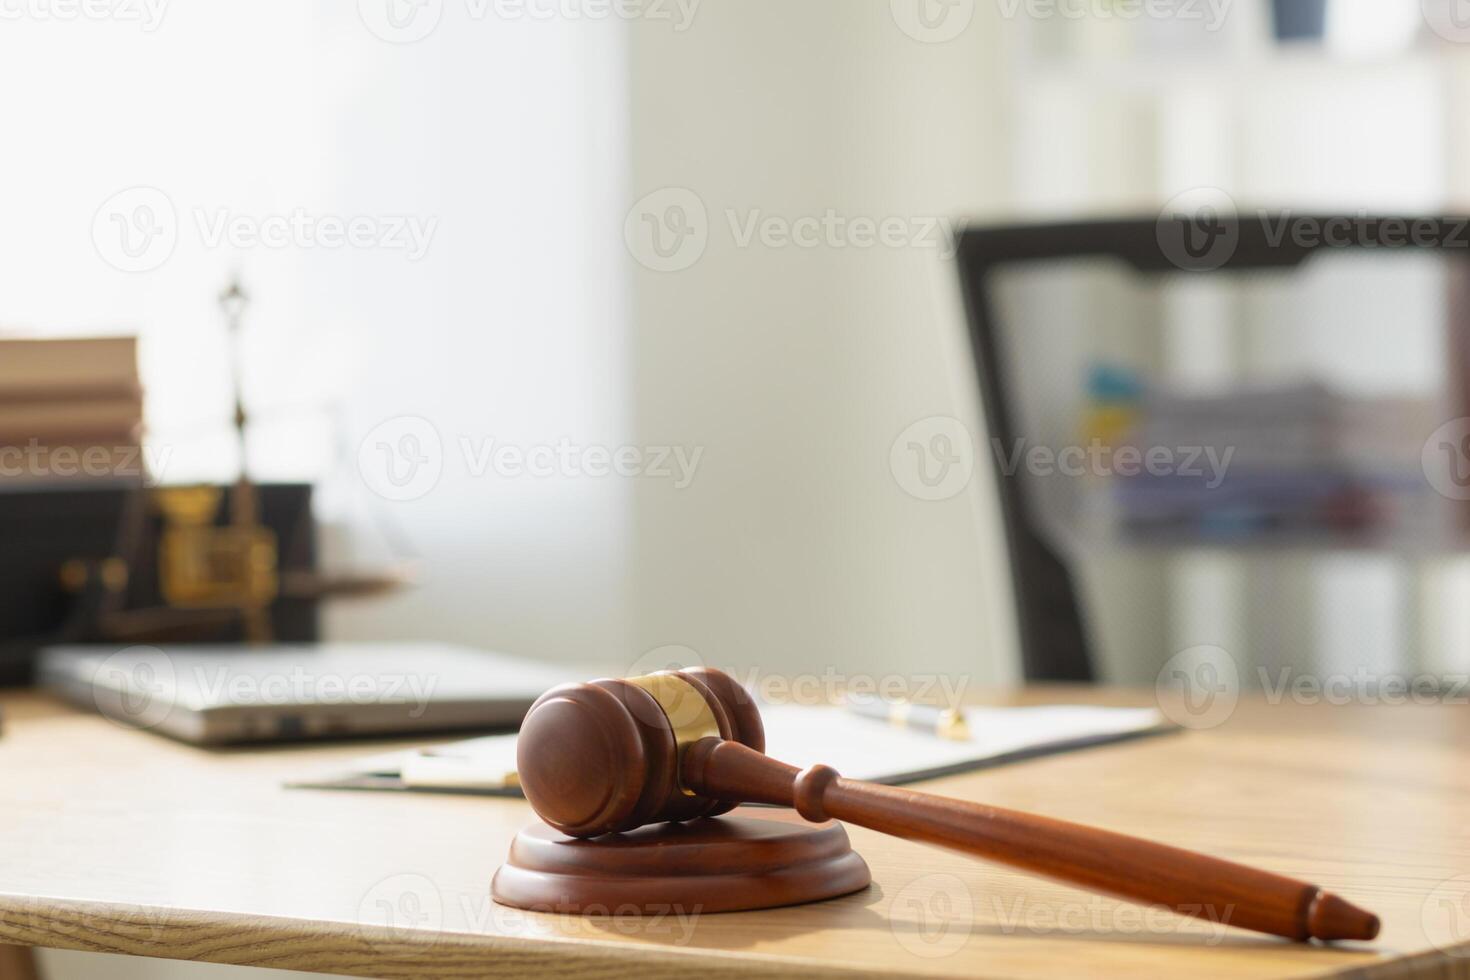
column 122, row 841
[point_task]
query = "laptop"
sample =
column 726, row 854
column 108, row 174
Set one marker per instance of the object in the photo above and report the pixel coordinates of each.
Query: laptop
column 219, row 695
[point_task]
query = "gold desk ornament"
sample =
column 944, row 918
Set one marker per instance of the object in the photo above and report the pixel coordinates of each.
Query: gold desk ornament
column 212, row 576
column 202, row 565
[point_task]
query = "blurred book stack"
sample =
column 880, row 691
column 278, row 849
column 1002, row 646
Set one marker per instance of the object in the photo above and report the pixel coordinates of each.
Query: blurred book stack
column 1271, row 459
column 70, row 410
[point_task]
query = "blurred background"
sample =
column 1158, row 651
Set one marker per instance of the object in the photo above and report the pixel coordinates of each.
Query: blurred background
column 598, row 327
column 587, row 329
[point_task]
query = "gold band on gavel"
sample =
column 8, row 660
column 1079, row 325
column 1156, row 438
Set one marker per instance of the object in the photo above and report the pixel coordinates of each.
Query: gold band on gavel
column 688, row 712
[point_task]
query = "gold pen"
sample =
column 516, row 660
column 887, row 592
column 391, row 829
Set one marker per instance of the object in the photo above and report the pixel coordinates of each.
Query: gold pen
column 945, row 722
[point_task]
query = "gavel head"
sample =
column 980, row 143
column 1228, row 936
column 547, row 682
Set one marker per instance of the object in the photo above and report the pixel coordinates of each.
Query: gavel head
column 603, row 757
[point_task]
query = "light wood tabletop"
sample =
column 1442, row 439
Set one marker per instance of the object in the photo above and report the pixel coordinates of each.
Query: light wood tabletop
column 122, row 841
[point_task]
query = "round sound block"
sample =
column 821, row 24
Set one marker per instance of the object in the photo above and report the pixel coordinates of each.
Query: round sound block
column 721, row 864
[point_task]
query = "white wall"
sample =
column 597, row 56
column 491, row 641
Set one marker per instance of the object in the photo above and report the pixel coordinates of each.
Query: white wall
column 795, row 369
column 514, row 329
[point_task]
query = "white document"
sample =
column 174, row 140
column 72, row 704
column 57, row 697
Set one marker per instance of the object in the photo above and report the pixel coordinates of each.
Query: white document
column 858, row 747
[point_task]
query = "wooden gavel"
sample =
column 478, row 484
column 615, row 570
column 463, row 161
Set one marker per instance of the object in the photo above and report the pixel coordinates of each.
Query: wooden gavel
column 614, row 755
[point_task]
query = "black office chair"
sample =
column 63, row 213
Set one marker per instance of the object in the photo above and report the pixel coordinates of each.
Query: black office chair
column 1055, row 641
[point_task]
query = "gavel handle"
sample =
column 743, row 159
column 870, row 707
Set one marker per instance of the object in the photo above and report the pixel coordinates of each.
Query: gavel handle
column 1098, row 860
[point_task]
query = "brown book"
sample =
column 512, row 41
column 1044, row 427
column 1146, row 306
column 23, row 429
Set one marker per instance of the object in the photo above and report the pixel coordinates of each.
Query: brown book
column 70, row 393
column 37, row 365
column 67, row 419
column 126, row 435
